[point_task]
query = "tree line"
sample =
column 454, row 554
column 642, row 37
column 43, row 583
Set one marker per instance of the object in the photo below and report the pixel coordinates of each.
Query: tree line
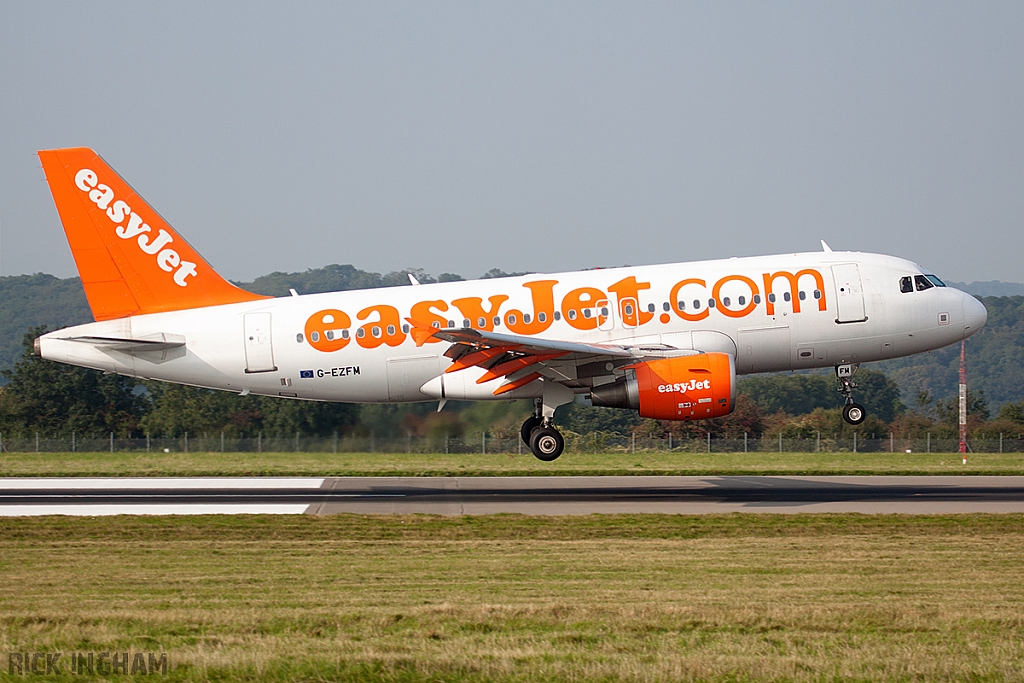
column 54, row 399
column 907, row 396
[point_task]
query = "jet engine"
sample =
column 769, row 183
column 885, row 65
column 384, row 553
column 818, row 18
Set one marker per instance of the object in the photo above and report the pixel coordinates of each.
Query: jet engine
column 682, row 388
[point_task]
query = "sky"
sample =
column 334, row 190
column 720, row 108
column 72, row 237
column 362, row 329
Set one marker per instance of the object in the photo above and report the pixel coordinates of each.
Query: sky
column 527, row 136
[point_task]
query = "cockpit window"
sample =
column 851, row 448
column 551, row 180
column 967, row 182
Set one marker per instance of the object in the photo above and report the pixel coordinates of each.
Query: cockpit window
column 906, row 284
column 934, row 280
column 922, row 283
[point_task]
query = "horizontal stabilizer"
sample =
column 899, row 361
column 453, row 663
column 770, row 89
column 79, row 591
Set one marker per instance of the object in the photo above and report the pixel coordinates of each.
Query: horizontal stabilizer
column 160, row 342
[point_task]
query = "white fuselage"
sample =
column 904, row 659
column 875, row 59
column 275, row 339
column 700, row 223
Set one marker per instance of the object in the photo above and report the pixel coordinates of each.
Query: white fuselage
column 844, row 308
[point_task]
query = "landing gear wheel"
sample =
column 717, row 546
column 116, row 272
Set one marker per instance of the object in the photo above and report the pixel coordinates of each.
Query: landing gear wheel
column 531, row 423
column 546, row 443
column 854, row 413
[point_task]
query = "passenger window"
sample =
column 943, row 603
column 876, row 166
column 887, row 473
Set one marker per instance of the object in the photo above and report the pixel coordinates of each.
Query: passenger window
column 511, row 319
column 405, row 329
column 696, row 304
column 725, row 301
column 298, row 337
column 481, row 322
column 771, row 298
column 787, row 296
column 497, row 320
column 803, row 295
column 711, row 303
column 344, row 334
column 665, row 306
column 906, row 285
column 650, row 308
column 542, row 317
column 757, row 298
column 572, row 314
column 391, row 330
column 743, row 301
column 628, row 309
column 526, row 318
column 465, row 322
column 817, row 294
column 922, row 283
column 558, row 316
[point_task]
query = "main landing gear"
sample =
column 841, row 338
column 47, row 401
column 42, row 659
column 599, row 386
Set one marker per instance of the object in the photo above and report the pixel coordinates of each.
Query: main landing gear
column 538, row 432
column 853, row 413
column 544, row 440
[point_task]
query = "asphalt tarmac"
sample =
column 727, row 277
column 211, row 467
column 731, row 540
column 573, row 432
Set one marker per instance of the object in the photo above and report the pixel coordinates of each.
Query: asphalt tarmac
column 523, row 495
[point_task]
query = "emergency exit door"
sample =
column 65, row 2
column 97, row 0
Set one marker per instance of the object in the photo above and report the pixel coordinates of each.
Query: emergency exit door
column 259, row 348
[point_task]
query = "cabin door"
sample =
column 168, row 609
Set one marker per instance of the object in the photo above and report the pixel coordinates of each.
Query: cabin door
column 259, row 347
column 849, row 293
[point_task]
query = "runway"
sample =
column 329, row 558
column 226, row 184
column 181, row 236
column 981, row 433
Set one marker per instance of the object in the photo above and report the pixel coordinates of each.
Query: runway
column 522, row 495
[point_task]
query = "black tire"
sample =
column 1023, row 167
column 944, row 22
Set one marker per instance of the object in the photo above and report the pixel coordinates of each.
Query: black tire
column 854, row 413
column 546, row 443
column 526, row 432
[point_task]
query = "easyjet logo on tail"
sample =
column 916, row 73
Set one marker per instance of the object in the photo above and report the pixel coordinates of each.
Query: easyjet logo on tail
column 117, row 211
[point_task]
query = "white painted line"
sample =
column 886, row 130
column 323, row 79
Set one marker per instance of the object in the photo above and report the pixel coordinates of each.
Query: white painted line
column 23, row 483
column 155, row 509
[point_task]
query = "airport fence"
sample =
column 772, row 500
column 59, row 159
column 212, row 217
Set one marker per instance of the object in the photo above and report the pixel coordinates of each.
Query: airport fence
column 575, row 443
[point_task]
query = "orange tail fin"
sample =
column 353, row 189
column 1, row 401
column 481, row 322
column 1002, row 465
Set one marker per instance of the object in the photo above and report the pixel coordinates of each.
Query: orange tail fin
column 131, row 261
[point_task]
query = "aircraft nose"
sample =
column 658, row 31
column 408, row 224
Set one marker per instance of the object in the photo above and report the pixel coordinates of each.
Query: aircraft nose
column 975, row 315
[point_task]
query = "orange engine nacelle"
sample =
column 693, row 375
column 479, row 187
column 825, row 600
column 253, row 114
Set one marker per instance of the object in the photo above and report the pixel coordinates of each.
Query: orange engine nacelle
column 683, row 388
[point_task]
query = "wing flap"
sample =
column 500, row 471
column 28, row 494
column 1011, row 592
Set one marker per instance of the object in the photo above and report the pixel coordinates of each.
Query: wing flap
column 521, row 360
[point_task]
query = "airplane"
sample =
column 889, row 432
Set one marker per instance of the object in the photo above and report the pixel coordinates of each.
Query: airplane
column 667, row 341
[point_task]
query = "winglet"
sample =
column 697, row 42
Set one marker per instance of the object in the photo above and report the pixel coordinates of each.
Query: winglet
column 825, row 247
column 130, row 259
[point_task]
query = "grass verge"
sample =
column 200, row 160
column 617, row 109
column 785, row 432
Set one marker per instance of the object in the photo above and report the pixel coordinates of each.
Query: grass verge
column 121, row 464
column 510, row 598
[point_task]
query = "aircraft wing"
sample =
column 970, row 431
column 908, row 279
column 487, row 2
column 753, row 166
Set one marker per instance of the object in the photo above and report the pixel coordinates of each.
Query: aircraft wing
column 521, row 359
column 526, row 344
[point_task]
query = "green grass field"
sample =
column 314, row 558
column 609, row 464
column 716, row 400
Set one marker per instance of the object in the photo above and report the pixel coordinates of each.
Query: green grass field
column 509, row 598
column 122, row 464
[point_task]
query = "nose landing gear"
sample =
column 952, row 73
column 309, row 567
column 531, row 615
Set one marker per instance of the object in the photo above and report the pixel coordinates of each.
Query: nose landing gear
column 853, row 413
